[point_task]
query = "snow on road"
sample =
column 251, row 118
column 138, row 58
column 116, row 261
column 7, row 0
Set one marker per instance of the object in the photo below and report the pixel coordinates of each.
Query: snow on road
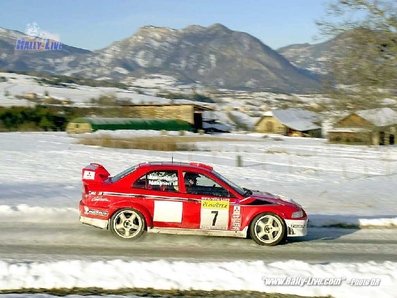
column 337, row 185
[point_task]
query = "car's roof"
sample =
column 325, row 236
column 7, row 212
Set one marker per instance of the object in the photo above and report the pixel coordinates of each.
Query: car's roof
column 191, row 165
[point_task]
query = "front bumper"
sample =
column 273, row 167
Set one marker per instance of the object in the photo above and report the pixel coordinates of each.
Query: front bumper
column 296, row 227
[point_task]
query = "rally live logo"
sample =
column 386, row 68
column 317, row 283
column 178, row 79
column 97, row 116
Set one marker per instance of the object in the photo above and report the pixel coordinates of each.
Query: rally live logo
column 38, row 40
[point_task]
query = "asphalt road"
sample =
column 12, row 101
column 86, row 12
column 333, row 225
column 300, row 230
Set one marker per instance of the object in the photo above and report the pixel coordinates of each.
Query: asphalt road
column 58, row 241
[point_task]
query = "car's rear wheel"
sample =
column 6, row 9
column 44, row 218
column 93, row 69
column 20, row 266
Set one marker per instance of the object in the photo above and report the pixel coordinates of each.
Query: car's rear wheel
column 268, row 229
column 127, row 223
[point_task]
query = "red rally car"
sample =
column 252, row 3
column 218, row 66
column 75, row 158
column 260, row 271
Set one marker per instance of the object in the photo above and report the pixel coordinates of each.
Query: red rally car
column 184, row 198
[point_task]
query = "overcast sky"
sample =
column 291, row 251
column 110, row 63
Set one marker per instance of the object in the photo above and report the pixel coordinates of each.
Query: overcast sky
column 94, row 24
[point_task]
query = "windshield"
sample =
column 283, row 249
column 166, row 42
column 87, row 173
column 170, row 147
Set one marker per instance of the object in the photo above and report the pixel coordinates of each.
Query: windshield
column 122, row 174
column 240, row 190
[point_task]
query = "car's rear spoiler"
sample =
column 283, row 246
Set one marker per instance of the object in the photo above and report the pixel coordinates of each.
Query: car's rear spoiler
column 93, row 174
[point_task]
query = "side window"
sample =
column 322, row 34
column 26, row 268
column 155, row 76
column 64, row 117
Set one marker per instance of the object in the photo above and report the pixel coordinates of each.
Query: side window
column 199, row 184
column 158, row 180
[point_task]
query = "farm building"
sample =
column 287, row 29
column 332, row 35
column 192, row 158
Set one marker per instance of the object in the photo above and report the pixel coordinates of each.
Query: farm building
column 367, row 127
column 290, row 122
column 189, row 112
column 90, row 124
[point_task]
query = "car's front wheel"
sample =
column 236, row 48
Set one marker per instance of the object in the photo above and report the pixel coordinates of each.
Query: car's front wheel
column 268, row 229
column 127, row 223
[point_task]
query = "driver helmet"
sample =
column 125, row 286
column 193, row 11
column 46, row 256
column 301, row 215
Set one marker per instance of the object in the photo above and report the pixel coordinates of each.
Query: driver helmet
column 191, row 176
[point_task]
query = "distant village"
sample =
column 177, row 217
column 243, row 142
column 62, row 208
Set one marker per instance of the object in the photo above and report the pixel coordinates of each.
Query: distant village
column 153, row 108
column 365, row 127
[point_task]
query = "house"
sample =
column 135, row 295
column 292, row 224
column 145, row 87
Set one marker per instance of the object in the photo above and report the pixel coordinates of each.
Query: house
column 189, row 112
column 91, row 124
column 290, row 122
column 367, row 127
column 181, row 116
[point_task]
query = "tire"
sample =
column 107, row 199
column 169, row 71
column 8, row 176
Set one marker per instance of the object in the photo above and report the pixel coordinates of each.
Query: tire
column 268, row 229
column 127, row 223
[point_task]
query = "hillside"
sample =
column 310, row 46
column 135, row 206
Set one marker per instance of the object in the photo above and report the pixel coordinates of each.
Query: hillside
column 213, row 56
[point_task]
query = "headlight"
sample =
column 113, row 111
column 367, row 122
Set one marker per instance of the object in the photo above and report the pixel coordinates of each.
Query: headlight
column 297, row 214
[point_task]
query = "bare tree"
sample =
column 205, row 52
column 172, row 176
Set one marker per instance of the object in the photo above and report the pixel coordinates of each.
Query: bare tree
column 364, row 67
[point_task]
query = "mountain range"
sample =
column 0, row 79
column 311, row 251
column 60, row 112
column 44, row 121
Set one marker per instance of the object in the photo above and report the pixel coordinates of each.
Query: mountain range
column 213, row 56
column 315, row 57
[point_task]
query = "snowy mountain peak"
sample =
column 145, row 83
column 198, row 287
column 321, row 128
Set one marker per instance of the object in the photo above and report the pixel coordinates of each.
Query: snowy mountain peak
column 153, row 31
column 215, row 56
column 218, row 26
column 194, row 28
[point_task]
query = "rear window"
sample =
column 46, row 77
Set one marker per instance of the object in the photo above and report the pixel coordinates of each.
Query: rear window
column 122, row 174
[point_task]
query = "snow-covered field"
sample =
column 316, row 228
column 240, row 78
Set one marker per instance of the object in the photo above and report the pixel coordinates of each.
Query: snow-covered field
column 80, row 95
column 337, row 185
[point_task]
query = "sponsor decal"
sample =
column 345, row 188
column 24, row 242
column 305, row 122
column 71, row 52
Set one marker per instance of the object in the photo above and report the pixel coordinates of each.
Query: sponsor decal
column 95, row 211
column 100, row 199
column 215, row 204
column 160, row 182
column 171, row 177
column 89, row 175
column 38, row 40
column 162, row 178
column 236, row 218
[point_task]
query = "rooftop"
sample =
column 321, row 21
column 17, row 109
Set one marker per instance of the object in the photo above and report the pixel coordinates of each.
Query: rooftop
column 379, row 117
column 298, row 119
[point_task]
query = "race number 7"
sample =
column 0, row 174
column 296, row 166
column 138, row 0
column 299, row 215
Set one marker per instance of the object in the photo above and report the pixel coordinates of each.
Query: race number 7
column 215, row 217
column 214, row 214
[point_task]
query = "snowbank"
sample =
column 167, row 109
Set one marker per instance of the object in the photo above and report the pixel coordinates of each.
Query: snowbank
column 295, row 277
